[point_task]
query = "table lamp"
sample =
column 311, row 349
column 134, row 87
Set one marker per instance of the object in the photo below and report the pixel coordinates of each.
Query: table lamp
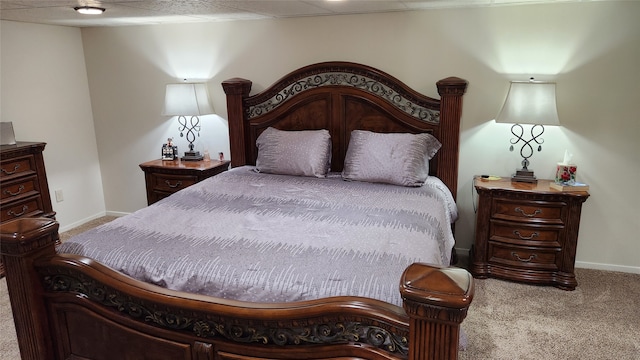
column 188, row 99
column 529, row 102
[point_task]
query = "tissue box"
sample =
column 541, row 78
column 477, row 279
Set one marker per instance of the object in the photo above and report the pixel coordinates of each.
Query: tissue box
column 566, row 174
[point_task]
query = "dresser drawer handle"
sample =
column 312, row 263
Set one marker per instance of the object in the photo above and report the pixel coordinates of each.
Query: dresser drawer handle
column 15, row 168
column 531, row 257
column 8, row 192
column 24, row 210
column 517, row 233
column 177, row 184
column 537, row 212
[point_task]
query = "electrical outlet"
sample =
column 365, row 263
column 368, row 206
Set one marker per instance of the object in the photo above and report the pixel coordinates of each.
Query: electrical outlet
column 59, row 196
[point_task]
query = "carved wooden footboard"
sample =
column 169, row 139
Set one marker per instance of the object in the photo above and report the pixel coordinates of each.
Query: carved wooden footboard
column 71, row 307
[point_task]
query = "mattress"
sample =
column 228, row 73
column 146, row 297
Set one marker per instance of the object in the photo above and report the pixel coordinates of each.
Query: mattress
column 259, row 237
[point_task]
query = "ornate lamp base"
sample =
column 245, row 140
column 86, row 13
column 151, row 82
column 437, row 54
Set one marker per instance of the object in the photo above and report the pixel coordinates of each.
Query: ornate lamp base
column 192, row 156
column 524, row 175
column 192, row 128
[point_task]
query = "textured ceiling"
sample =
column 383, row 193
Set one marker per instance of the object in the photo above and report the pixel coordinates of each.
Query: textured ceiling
column 139, row 12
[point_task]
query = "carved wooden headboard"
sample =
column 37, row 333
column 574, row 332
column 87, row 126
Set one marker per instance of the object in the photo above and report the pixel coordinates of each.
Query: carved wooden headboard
column 341, row 97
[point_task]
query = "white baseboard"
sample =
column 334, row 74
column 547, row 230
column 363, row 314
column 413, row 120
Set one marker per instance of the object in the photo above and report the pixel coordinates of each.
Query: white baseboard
column 92, row 217
column 81, row 222
column 608, row 267
column 117, row 213
column 584, row 264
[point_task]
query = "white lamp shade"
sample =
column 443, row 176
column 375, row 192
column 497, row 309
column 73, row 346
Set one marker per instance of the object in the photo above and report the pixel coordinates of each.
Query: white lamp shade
column 530, row 102
column 187, row 99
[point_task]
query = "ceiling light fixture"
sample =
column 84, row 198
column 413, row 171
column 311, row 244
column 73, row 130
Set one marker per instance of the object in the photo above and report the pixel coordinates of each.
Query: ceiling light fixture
column 89, row 10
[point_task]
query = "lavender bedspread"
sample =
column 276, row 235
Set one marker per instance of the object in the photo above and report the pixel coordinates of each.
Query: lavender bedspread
column 272, row 238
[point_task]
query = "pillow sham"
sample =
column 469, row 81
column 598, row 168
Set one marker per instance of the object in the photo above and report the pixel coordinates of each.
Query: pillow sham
column 302, row 153
column 394, row 158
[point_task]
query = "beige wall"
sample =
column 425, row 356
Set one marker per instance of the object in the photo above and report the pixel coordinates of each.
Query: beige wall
column 44, row 92
column 590, row 49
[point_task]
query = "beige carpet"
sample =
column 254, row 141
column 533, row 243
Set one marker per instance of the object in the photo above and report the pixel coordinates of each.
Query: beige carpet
column 599, row 320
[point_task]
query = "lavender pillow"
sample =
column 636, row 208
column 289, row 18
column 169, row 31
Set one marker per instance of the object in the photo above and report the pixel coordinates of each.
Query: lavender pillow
column 395, row 158
column 303, row 153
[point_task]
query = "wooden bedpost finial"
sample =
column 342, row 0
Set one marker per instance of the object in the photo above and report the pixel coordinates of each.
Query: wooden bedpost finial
column 22, row 236
column 452, row 86
column 237, row 86
column 436, row 300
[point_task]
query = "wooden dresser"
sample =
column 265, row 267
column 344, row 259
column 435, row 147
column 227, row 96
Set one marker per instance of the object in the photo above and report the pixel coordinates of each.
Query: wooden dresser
column 23, row 180
column 526, row 232
column 164, row 177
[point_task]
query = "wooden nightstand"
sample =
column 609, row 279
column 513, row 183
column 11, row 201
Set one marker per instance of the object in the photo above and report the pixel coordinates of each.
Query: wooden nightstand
column 163, row 177
column 526, row 232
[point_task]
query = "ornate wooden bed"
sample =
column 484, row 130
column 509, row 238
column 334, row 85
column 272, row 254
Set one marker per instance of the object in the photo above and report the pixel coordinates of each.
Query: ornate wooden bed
column 72, row 307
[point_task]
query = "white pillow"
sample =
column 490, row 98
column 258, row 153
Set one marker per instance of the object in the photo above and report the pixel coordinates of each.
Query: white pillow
column 305, row 153
column 394, row 158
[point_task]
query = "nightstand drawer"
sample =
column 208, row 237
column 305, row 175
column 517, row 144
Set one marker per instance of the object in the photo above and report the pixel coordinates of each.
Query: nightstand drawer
column 17, row 167
column 532, row 258
column 19, row 189
column 173, row 183
column 163, row 178
column 28, row 207
column 528, row 211
column 524, row 235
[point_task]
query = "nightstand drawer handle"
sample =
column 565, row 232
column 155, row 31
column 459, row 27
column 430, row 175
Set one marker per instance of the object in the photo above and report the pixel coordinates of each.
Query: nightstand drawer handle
column 531, row 257
column 537, row 212
column 24, row 210
column 15, row 168
column 177, row 184
column 8, row 192
column 517, row 233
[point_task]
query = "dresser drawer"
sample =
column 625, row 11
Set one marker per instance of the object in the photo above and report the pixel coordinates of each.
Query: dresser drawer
column 17, row 167
column 24, row 190
column 525, row 234
column 524, row 257
column 528, row 211
column 15, row 190
column 172, row 183
column 31, row 207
